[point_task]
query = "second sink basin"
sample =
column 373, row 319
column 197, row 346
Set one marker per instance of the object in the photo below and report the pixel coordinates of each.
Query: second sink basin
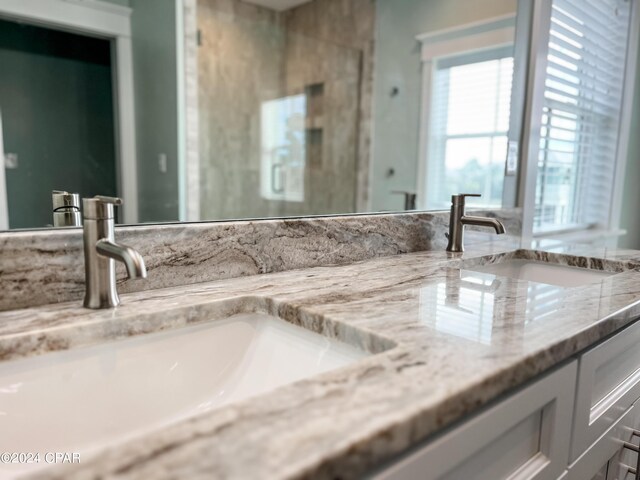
column 543, row 272
column 85, row 398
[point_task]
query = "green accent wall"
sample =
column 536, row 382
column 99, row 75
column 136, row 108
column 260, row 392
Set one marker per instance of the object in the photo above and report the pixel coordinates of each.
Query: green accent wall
column 154, row 38
column 57, row 110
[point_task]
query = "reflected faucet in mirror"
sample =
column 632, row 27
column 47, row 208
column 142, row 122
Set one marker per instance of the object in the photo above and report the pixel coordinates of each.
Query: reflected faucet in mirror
column 100, row 251
column 458, row 219
column 409, row 198
column 66, row 209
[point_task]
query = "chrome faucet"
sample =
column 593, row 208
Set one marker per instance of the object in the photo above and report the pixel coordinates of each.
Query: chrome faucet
column 66, row 209
column 100, row 251
column 457, row 221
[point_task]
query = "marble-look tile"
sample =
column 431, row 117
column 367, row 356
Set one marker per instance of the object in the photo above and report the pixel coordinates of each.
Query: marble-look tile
column 47, row 266
column 444, row 348
column 351, row 25
column 251, row 55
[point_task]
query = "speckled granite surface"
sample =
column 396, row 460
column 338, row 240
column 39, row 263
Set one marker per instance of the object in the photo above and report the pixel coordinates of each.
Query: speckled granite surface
column 446, row 341
column 47, row 266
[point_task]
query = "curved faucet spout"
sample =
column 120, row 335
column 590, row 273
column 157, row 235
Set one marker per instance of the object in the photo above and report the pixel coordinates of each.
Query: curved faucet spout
column 483, row 222
column 132, row 260
column 458, row 219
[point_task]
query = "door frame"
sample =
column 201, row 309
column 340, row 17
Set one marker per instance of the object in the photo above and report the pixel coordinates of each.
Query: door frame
column 4, row 207
column 113, row 22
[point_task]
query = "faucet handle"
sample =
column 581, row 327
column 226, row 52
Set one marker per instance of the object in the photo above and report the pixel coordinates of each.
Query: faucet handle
column 112, row 200
column 459, row 199
column 99, row 207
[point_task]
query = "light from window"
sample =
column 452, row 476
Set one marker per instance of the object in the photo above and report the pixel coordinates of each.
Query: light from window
column 469, row 125
column 581, row 115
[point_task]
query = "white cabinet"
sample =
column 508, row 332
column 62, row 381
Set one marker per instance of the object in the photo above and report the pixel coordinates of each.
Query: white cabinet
column 608, row 384
column 626, row 458
column 607, row 449
column 522, row 437
column 571, row 424
column 602, row 473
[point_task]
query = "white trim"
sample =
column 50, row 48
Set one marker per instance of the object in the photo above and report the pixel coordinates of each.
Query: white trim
column 424, row 133
column 80, row 16
column 488, row 33
column 190, row 199
column 468, row 28
column 468, row 38
column 625, row 117
column 530, row 144
column 110, row 21
column 126, row 130
column 4, row 207
column 104, row 6
column 468, row 44
column 181, row 97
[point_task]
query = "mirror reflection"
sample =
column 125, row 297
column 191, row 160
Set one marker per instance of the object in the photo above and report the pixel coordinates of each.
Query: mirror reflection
column 228, row 109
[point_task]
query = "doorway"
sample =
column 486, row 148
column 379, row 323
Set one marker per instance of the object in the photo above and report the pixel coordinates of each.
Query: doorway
column 58, row 121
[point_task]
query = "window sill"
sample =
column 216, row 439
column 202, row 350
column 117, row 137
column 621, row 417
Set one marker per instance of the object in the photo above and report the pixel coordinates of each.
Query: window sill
column 590, row 237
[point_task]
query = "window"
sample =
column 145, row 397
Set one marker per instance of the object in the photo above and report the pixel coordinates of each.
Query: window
column 464, row 133
column 469, row 127
column 581, row 114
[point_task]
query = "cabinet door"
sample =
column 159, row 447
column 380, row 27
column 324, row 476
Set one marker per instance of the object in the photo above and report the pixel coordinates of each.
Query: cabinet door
column 620, row 463
column 606, row 448
column 524, row 437
column 608, row 384
column 625, row 459
column 602, row 473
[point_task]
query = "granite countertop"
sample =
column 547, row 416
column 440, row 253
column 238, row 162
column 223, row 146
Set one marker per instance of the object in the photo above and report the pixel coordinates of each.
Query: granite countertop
column 443, row 344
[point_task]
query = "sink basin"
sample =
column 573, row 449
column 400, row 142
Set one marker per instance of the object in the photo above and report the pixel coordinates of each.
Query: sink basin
column 81, row 399
column 543, row 272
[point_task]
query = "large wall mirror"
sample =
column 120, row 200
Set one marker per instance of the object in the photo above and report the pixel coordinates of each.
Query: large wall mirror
column 198, row 110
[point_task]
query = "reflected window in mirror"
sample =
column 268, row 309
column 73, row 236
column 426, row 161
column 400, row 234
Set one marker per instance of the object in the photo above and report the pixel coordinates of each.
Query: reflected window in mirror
column 469, row 127
column 467, row 81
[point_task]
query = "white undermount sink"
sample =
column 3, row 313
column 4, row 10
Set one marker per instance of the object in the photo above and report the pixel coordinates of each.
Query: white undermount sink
column 85, row 398
column 543, row 272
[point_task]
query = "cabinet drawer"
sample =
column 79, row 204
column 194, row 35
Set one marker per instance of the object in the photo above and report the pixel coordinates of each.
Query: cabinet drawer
column 605, row 448
column 608, row 384
column 524, row 436
column 618, row 465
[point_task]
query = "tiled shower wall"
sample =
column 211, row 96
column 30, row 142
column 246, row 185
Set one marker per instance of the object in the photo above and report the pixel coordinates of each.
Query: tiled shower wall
column 249, row 55
column 349, row 24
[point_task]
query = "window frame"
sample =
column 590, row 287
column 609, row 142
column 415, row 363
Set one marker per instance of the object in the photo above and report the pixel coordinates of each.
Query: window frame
column 531, row 133
column 489, row 34
column 440, row 135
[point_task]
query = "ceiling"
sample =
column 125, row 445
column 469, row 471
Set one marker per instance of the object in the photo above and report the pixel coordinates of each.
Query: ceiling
column 278, row 5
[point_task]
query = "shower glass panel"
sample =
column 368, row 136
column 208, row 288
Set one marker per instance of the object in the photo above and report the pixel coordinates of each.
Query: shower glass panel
column 278, row 115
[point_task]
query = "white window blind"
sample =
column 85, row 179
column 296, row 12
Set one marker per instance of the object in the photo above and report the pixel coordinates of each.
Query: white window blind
column 581, row 115
column 471, row 97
